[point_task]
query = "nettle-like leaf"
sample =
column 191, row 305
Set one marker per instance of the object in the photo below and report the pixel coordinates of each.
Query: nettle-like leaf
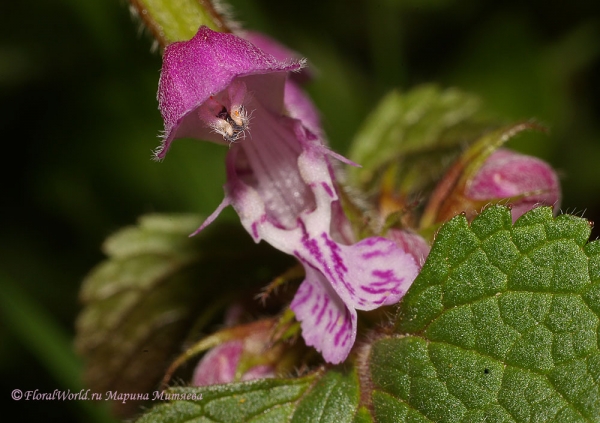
column 321, row 397
column 501, row 325
column 412, row 137
column 140, row 303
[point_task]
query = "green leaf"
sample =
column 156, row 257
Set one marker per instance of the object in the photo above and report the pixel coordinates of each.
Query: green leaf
column 501, row 325
column 141, row 302
column 178, row 20
column 333, row 399
column 322, row 397
column 416, row 135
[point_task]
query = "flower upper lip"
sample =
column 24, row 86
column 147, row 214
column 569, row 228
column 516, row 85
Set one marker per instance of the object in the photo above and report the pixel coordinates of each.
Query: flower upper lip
column 195, row 70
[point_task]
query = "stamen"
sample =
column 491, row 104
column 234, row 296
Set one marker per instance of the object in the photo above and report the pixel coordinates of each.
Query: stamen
column 231, row 123
column 239, row 116
column 224, row 128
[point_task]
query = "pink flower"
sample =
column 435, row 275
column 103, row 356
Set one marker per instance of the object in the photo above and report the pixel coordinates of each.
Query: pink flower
column 524, row 181
column 242, row 352
column 222, row 88
column 220, row 365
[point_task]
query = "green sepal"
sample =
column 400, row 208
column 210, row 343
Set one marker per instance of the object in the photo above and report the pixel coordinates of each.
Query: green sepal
column 179, row 20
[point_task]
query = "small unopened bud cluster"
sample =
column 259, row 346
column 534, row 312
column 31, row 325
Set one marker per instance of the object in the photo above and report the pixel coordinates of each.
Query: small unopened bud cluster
column 220, row 365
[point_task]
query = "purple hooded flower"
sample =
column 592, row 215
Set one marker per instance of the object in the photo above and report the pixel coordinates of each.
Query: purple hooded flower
column 222, row 88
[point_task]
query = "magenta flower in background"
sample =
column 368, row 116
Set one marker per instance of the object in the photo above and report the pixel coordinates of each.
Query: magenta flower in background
column 280, row 181
column 525, row 181
column 220, row 365
column 244, row 352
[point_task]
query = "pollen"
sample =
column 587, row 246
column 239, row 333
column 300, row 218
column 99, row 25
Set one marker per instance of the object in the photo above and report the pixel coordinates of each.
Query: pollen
column 231, row 125
column 226, row 114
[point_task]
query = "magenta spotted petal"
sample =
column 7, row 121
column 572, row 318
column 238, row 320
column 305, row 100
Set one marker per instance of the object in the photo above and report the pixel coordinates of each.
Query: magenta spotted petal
column 327, row 324
column 341, row 279
column 412, row 243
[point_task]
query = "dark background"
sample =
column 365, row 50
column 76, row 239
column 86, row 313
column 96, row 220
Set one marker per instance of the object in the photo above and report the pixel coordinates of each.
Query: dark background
column 79, row 119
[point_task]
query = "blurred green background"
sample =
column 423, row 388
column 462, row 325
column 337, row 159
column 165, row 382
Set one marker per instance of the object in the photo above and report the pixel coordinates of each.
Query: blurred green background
column 79, row 120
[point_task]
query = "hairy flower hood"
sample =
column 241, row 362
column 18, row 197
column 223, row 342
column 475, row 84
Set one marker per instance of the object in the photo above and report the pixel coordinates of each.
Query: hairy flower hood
column 205, row 66
column 280, row 181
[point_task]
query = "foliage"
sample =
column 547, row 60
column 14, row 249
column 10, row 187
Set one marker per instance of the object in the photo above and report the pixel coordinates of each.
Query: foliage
column 500, row 325
column 79, row 109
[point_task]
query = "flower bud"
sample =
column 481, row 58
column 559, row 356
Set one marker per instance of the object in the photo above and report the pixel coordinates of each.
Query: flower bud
column 220, row 365
column 522, row 181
